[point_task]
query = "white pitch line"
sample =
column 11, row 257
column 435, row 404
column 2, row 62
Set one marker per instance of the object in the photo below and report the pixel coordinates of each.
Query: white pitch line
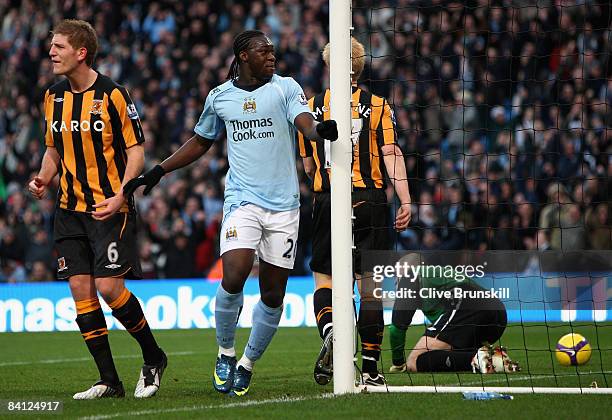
column 127, row 356
column 249, row 403
column 85, row 359
column 514, row 378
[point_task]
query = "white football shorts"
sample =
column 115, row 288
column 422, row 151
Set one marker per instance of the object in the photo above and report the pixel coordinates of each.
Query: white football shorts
column 272, row 234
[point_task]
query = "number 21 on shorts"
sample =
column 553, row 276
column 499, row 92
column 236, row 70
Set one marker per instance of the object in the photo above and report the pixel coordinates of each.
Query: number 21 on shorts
column 291, row 248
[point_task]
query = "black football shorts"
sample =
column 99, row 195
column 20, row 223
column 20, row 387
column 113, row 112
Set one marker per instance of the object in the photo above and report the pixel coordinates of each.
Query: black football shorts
column 371, row 228
column 101, row 248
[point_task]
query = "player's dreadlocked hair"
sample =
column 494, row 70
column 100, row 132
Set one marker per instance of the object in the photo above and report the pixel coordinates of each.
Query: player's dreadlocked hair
column 241, row 43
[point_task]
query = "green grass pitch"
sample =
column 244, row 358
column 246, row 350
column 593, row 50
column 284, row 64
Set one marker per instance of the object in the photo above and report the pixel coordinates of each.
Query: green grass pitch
column 53, row 366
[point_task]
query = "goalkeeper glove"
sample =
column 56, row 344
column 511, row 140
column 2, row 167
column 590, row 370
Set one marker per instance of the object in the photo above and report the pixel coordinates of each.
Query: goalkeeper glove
column 149, row 179
column 328, row 130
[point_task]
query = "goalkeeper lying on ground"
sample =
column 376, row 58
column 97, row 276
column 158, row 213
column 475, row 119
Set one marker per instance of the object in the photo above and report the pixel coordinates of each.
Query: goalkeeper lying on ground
column 461, row 331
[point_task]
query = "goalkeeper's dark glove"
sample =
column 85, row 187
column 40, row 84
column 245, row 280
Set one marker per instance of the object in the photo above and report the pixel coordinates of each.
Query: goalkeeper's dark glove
column 328, row 130
column 149, row 179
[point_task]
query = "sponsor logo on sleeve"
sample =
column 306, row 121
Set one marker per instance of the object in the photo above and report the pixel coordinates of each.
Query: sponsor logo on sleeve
column 302, row 99
column 131, row 112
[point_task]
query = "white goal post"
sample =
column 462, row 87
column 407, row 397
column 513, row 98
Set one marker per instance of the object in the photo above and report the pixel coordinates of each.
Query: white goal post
column 341, row 234
column 341, row 209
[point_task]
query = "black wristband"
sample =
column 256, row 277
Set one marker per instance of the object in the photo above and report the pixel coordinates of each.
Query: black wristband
column 158, row 171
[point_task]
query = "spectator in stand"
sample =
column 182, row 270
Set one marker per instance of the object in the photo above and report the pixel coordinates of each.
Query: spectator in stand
column 599, row 227
column 501, row 92
column 40, row 272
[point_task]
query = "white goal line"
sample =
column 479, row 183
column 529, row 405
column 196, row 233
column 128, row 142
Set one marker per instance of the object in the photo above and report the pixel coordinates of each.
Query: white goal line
column 532, row 378
column 503, row 389
column 238, row 404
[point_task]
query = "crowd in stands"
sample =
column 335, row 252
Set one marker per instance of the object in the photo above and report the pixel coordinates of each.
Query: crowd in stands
column 503, row 110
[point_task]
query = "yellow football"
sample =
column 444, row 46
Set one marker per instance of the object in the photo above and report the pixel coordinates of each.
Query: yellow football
column 573, row 350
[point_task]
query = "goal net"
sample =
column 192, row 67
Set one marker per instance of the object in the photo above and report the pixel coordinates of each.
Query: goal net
column 503, row 115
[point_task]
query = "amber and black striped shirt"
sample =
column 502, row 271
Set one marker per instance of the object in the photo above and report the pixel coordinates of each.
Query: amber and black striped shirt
column 91, row 131
column 373, row 126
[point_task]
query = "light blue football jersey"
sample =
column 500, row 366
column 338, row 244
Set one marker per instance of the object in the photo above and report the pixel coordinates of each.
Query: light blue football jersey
column 260, row 141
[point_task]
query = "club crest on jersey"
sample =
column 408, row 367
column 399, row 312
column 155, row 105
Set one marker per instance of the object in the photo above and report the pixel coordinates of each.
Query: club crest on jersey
column 249, row 107
column 231, row 233
column 61, row 264
column 96, row 107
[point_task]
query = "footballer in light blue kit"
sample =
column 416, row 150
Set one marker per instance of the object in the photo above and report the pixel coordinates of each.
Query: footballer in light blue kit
column 260, row 142
column 260, row 112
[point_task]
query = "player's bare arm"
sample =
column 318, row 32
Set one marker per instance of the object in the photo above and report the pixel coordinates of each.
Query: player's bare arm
column 134, row 165
column 316, row 131
column 48, row 170
column 310, row 167
column 396, row 169
column 192, row 150
column 188, row 153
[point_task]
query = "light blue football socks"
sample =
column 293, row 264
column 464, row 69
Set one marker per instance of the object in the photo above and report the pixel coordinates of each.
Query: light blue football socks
column 265, row 324
column 227, row 308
